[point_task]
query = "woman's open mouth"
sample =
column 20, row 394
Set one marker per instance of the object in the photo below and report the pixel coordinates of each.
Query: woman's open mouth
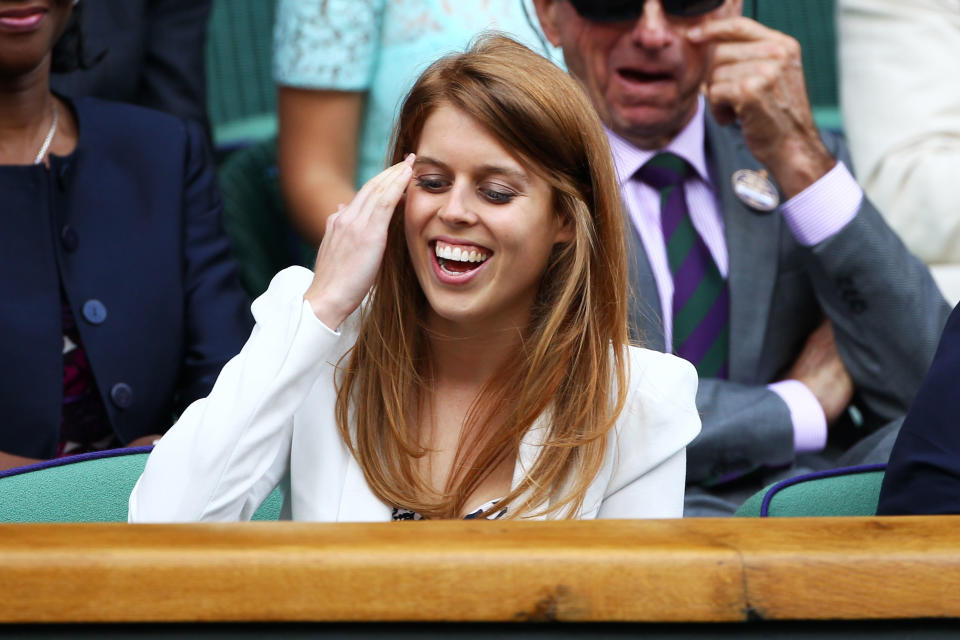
column 458, row 262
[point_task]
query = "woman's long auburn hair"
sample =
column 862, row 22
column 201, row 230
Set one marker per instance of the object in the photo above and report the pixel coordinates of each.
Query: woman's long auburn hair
column 572, row 365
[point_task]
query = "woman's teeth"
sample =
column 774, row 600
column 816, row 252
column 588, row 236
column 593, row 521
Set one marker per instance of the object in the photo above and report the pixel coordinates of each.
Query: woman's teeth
column 460, row 255
column 457, row 260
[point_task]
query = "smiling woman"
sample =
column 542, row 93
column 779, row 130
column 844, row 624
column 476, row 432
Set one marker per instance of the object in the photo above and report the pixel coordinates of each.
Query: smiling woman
column 461, row 347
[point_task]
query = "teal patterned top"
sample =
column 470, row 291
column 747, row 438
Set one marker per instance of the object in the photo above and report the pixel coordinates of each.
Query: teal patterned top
column 380, row 47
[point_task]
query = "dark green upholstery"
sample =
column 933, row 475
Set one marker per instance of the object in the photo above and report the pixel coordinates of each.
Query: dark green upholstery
column 812, row 23
column 843, row 492
column 240, row 92
column 263, row 240
column 85, row 489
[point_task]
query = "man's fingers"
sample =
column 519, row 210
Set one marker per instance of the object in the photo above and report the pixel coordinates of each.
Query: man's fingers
column 729, row 30
column 725, row 97
column 775, row 49
column 723, row 114
column 756, row 74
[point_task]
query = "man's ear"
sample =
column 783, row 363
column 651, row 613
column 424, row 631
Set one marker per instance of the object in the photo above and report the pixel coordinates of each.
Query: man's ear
column 547, row 15
column 734, row 8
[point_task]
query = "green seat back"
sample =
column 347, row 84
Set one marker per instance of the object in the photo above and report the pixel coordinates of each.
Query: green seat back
column 85, row 488
column 852, row 491
column 241, row 97
column 263, row 240
column 812, row 23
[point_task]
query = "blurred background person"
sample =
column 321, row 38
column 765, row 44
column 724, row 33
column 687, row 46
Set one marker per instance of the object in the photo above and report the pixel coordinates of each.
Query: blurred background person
column 900, row 95
column 120, row 300
column 145, row 52
column 343, row 68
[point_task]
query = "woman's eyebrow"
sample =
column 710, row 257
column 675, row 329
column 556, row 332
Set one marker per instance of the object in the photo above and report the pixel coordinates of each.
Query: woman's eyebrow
column 428, row 160
column 485, row 169
column 509, row 172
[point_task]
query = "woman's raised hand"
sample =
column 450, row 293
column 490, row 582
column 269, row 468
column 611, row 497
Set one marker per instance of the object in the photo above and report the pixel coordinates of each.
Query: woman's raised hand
column 353, row 244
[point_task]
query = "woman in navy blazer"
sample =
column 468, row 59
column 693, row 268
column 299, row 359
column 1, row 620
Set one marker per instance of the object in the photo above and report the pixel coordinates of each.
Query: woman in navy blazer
column 110, row 222
column 923, row 475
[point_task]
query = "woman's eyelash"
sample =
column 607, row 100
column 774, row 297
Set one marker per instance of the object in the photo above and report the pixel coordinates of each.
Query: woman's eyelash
column 429, row 182
column 494, row 196
column 498, row 197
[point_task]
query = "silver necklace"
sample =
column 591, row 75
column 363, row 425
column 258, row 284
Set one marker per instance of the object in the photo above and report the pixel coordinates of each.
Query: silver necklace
column 46, row 141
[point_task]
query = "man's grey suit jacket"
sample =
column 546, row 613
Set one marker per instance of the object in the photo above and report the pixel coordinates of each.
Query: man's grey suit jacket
column 886, row 311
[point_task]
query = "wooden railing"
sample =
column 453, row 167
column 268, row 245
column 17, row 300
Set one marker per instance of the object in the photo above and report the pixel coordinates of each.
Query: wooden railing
column 654, row 571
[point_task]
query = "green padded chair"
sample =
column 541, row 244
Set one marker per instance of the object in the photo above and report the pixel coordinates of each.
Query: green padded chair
column 241, row 96
column 850, row 491
column 812, row 23
column 263, row 240
column 91, row 487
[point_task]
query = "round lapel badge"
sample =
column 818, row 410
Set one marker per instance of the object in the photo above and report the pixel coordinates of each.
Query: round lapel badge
column 755, row 190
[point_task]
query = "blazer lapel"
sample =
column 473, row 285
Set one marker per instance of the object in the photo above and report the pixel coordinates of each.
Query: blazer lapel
column 357, row 502
column 527, row 455
column 646, row 321
column 753, row 241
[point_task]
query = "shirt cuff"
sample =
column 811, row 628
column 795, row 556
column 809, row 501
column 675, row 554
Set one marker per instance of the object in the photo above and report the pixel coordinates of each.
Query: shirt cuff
column 809, row 422
column 824, row 208
column 318, row 324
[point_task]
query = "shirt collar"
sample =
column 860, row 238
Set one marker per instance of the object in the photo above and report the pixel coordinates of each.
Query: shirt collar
column 688, row 144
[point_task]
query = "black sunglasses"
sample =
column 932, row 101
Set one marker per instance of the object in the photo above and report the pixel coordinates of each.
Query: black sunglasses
column 621, row 10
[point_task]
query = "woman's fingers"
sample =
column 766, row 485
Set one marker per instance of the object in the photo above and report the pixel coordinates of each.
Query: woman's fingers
column 381, row 207
column 350, row 254
column 370, row 193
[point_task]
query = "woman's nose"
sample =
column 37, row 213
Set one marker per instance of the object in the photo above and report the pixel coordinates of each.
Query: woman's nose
column 457, row 209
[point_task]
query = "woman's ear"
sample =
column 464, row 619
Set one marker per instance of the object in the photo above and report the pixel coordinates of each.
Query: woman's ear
column 565, row 232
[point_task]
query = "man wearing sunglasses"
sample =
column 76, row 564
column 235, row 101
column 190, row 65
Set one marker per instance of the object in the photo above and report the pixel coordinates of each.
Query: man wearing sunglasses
column 756, row 256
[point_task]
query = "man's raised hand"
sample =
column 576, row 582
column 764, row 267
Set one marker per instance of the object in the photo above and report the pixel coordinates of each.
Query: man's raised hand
column 756, row 77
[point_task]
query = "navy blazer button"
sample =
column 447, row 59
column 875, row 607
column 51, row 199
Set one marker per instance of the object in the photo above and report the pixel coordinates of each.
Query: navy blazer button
column 94, row 311
column 68, row 237
column 122, row 395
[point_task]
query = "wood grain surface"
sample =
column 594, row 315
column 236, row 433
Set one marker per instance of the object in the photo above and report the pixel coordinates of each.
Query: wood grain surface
column 655, row 571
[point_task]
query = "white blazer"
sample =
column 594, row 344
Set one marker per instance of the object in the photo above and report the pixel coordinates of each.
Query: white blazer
column 270, row 416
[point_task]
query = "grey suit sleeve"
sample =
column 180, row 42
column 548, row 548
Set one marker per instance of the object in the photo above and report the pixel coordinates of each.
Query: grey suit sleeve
column 886, row 310
column 744, row 427
column 887, row 314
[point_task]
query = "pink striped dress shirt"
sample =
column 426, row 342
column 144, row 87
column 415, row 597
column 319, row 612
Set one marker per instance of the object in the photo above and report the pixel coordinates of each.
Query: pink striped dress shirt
column 814, row 215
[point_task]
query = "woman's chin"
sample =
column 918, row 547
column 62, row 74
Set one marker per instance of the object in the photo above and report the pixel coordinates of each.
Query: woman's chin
column 451, row 313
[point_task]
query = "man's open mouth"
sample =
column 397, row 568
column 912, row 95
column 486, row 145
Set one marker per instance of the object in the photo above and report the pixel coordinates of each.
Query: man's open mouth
column 636, row 75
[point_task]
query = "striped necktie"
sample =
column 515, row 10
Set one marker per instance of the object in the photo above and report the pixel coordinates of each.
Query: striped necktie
column 701, row 299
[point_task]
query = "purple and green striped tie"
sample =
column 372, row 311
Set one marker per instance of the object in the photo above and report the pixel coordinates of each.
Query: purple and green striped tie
column 701, row 299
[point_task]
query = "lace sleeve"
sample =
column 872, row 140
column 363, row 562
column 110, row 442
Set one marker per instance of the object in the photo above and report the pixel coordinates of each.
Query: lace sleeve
column 326, row 44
